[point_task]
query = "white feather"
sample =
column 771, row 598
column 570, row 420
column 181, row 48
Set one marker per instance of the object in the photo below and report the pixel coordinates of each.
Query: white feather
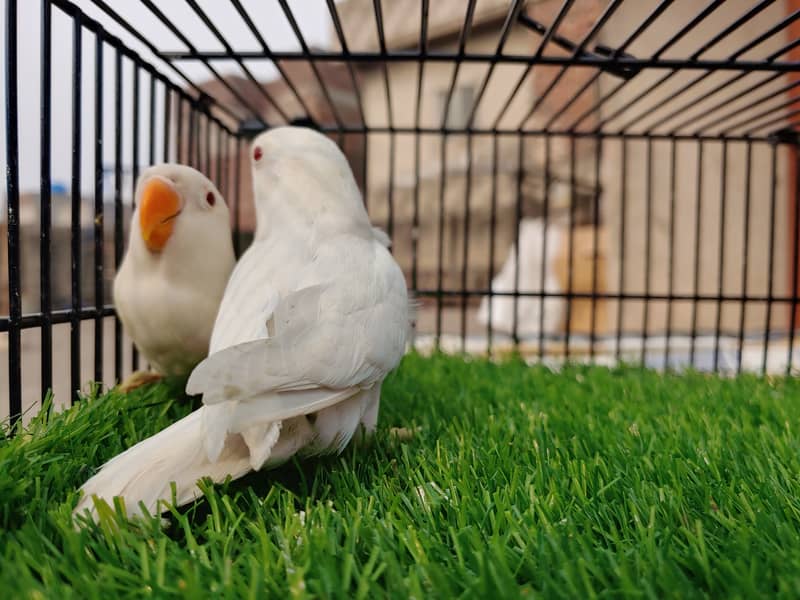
column 144, row 472
column 167, row 301
column 314, row 316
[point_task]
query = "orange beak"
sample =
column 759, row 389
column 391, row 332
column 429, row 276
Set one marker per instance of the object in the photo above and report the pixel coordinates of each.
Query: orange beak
column 159, row 205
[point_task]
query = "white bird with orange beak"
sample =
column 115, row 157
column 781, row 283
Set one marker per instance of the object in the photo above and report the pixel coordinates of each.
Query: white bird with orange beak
column 314, row 317
column 171, row 281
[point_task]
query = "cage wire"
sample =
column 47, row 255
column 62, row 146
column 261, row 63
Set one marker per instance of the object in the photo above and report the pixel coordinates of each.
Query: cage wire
column 574, row 180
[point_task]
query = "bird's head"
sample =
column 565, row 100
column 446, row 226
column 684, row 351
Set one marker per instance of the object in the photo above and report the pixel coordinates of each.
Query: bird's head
column 177, row 202
column 299, row 173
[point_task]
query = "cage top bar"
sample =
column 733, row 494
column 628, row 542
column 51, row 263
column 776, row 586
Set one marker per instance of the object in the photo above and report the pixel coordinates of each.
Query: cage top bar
column 607, row 62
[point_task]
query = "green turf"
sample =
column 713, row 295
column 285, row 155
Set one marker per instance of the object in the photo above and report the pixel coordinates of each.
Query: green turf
column 590, row 482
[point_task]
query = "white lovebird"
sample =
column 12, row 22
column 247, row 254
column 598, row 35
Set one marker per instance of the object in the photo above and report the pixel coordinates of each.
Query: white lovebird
column 179, row 258
column 314, row 317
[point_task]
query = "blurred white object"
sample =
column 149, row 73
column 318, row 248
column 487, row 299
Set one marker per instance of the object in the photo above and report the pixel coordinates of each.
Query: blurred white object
column 532, row 255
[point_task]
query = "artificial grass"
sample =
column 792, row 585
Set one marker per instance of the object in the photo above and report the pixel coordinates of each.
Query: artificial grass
column 517, row 481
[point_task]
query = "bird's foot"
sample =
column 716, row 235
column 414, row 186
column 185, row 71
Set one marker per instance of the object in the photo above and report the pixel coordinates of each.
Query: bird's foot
column 137, row 379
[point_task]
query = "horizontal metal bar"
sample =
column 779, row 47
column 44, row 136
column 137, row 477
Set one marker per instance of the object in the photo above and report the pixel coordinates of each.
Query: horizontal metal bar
column 626, row 297
column 414, row 55
column 32, row 320
column 446, row 131
column 57, row 317
column 730, row 334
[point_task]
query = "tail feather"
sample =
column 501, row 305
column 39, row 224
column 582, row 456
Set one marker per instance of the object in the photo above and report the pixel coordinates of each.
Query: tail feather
column 260, row 440
column 335, row 426
column 144, row 473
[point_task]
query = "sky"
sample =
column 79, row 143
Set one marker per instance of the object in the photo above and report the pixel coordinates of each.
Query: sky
column 312, row 17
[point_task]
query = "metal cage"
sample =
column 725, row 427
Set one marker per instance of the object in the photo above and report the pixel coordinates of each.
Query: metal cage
column 597, row 180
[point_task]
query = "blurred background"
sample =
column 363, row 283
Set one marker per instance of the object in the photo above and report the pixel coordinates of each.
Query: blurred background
column 651, row 244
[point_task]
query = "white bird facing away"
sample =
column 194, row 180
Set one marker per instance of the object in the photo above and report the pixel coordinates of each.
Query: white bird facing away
column 315, row 315
column 178, row 261
column 533, row 239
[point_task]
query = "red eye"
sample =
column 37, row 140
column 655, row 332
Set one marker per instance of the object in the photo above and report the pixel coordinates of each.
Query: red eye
column 257, row 153
column 211, row 198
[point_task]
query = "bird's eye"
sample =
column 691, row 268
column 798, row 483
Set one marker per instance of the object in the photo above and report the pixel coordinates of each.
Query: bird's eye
column 210, row 198
column 257, row 153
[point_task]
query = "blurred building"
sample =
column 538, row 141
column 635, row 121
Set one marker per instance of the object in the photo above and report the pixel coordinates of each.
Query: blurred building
column 482, row 175
column 61, row 251
column 478, row 174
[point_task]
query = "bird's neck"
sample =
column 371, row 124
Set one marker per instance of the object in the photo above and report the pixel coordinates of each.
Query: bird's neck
column 274, row 220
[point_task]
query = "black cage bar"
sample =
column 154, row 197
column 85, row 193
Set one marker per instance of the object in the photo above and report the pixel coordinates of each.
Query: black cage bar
column 601, row 180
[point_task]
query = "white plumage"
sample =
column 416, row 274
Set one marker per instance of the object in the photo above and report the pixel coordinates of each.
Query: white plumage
column 538, row 247
column 314, row 316
column 178, row 261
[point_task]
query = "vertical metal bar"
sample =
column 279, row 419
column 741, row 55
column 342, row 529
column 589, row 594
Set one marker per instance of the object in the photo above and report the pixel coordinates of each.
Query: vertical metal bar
column 442, row 217
column 167, row 122
column 227, row 176
column 465, row 244
column 364, row 166
column 770, row 267
column 795, row 152
column 77, row 110
column 721, row 256
column 191, row 149
column 224, row 163
column 492, row 236
column 180, row 155
column 151, row 115
column 390, row 201
column 570, row 248
column 648, row 230
column 598, row 157
column 198, row 139
column 546, row 224
column 462, row 40
column 697, row 249
column 746, row 252
column 12, row 191
column 505, row 31
column 517, row 220
column 151, row 133
column 237, row 229
column 135, row 172
column 218, row 182
column 673, row 167
column 423, row 43
column 415, row 214
column 45, row 201
column 207, row 158
column 376, row 6
column 98, row 210
column 197, row 148
column 622, row 216
column 118, row 208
